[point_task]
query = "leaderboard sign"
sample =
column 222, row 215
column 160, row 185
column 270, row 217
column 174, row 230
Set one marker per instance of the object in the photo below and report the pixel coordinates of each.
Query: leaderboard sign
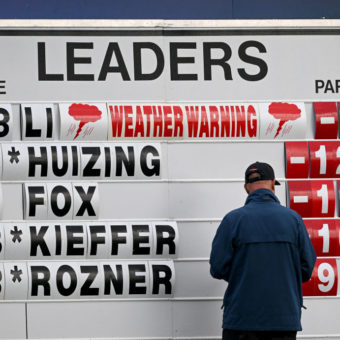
column 135, row 84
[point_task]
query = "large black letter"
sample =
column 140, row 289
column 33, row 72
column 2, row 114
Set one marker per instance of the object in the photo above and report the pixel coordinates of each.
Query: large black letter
column 34, row 161
column 138, row 239
column 64, row 155
column 252, row 60
column 175, row 60
column 42, row 75
column 115, row 229
column 72, row 60
column 86, row 200
column 116, row 280
column 73, row 280
column 33, row 199
column 106, row 68
column 129, row 162
column 59, row 189
column 94, row 151
column 30, row 132
column 37, row 240
column 161, row 240
column 36, row 281
column 134, row 279
column 137, row 52
column 209, row 62
column 95, row 239
column 86, row 289
column 158, row 280
column 155, row 162
column 72, row 240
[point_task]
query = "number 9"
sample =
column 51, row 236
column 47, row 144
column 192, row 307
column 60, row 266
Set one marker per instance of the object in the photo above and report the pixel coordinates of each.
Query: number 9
column 326, row 279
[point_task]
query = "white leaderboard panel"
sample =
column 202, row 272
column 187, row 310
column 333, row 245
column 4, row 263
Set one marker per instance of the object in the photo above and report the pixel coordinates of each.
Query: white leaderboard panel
column 120, row 152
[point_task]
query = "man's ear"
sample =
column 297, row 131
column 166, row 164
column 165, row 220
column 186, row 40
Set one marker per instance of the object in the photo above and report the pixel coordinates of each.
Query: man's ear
column 246, row 188
column 273, row 185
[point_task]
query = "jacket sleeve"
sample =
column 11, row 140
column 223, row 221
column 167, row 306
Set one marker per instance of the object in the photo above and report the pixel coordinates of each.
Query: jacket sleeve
column 222, row 251
column 307, row 253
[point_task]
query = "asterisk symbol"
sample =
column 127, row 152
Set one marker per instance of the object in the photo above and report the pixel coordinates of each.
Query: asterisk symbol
column 16, row 274
column 16, row 234
column 14, row 155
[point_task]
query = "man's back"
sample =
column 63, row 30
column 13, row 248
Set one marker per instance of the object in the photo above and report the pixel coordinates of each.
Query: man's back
column 264, row 252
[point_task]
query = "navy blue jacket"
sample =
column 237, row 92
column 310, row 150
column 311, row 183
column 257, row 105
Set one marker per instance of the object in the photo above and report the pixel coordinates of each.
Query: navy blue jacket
column 264, row 252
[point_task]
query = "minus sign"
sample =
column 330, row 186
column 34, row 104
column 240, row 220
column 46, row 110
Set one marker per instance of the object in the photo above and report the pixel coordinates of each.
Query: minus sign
column 2, row 86
column 2, row 81
column 2, row 92
column 300, row 199
column 327, row 120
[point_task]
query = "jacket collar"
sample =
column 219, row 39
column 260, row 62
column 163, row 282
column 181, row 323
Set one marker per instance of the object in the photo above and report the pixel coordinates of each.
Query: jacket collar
column 262, row 195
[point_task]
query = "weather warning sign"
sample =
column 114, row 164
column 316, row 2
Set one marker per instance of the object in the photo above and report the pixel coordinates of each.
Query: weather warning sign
column 76, row 122
column 189, row 121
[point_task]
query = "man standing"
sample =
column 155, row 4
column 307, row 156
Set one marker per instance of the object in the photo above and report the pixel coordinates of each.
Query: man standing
column 264, row 253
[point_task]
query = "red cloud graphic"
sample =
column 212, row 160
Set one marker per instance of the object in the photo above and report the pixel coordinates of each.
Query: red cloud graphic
column 284, row 112
column 84, row 113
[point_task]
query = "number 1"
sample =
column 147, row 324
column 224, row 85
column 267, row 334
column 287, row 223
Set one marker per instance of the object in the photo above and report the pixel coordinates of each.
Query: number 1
column 321, row 153
column 323, row 193
column 324, row 233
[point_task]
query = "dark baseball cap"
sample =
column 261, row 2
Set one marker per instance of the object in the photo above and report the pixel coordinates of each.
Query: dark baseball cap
column 264, row 170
